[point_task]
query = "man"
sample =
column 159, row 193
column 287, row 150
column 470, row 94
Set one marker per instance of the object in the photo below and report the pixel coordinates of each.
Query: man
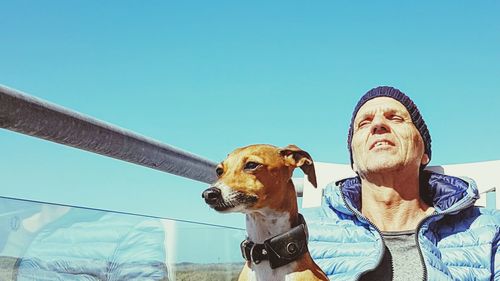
column 395, row 221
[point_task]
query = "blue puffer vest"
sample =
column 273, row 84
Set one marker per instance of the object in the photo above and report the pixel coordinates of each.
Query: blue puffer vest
column 458, row 242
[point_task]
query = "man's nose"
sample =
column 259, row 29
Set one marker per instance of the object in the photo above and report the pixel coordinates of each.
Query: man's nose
column 379, row 125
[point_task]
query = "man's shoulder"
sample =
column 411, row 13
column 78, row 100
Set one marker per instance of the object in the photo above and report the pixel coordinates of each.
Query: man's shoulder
column 472, row 220
column 479, row 215
column 329, row 225
column 486, row 216
column 474, row 228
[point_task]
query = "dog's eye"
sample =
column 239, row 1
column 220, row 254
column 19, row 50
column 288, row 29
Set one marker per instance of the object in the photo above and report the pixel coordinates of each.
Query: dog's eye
column 251, row 165
column 219, row 171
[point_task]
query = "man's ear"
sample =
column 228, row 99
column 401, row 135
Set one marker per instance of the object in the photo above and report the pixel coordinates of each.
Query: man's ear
column 296, row 157
column 425, row 159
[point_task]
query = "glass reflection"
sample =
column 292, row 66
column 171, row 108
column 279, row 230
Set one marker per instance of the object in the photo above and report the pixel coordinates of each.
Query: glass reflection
column 41, row 242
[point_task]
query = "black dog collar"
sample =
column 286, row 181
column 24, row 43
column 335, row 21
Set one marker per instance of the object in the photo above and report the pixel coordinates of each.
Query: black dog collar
column 279, row 250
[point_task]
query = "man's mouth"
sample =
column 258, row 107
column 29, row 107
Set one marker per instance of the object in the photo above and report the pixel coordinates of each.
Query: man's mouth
column 381, row 143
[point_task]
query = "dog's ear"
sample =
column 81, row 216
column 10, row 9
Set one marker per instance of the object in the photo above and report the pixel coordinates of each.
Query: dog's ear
column 299, row 158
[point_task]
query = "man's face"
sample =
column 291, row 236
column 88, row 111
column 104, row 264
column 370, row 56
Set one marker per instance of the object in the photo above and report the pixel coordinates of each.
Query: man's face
column 385, row 139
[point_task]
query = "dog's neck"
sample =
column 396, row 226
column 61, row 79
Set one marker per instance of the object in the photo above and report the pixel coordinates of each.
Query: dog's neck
column 262, row 225
column 266, row 223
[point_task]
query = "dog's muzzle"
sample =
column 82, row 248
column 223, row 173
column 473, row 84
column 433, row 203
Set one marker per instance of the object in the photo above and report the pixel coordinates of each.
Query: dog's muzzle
column 212, row 195
column 215, row 198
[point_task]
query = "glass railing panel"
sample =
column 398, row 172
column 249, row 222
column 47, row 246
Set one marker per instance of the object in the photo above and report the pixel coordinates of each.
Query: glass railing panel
column 40, row 241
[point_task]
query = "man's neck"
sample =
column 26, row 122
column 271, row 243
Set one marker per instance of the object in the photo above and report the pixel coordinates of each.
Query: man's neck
column 393, row 203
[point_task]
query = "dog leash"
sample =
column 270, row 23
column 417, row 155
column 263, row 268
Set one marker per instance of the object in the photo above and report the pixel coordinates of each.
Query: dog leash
column 281, row 249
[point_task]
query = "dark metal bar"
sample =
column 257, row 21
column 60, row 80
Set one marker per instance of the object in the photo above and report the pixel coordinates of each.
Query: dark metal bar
column 24, row 114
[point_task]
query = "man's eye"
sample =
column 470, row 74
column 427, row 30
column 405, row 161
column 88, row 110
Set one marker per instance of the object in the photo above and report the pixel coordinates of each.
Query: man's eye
column 251, row 166
column 396, row 118
column 219, row 171
column 363, row 123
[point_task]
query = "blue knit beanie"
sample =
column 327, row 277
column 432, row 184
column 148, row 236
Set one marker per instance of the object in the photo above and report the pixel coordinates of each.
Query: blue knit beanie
column 416, row 118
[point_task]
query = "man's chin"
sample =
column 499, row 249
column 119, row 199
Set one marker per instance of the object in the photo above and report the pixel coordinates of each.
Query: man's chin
column 382, row 170
column 384, row 166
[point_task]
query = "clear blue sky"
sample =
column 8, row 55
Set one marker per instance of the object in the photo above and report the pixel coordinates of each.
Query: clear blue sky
column 209, row 76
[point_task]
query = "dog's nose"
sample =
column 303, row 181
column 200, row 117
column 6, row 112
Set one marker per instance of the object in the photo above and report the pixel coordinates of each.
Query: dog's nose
column 211, row 195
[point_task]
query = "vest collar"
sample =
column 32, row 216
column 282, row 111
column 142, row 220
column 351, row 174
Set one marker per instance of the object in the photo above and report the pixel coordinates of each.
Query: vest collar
column 443, row 192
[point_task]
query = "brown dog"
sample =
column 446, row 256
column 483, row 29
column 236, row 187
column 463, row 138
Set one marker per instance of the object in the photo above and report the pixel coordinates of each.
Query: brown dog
column 256, row 180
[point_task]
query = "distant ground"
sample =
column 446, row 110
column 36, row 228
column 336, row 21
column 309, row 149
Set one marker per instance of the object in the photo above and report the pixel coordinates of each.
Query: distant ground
column 7, row 265
column 207, row 272
column 183, row 271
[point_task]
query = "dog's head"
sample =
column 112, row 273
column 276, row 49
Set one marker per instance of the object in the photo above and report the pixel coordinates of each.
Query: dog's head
column 257, row 176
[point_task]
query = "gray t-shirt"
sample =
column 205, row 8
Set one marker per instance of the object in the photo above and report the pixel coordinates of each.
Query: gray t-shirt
column 401, row 261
